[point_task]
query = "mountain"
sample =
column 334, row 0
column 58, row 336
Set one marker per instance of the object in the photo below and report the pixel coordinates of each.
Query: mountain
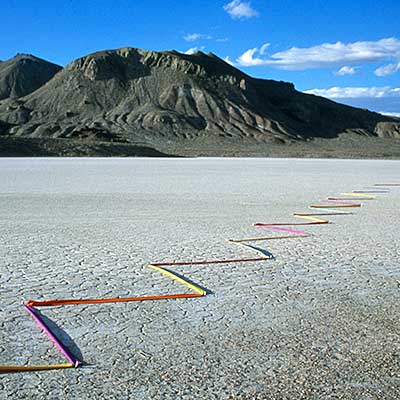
column 157, row 99
column 23, row 74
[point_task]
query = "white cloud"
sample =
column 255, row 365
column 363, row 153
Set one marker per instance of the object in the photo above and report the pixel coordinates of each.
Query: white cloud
column 247, row 59
column 238, row 9
column 346, row 70
column 390, row 114
column 325, row 55
column 356, row 92
column 229, row 61
column 192, row 37
column 222, row 40
column 387, row 69
column 193, row 50
column 264, row 48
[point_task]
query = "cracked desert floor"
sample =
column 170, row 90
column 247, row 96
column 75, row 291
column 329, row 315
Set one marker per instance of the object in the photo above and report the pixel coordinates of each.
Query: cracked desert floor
column 320, row 321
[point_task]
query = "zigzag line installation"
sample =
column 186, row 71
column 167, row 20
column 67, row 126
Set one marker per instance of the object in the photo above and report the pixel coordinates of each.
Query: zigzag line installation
column 330, row 209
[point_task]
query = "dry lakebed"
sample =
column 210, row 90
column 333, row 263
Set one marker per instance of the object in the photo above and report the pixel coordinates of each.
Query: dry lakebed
column 319, row 321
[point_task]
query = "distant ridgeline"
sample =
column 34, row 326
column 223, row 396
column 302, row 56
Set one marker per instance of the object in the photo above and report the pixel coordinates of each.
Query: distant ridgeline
column 132, row 96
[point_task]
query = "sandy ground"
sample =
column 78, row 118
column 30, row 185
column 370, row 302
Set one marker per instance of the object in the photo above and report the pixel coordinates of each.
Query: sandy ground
column 321, row 321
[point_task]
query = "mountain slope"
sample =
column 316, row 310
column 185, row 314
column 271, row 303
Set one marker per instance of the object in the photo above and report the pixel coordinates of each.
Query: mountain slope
column 143, row 97
column 23, row 74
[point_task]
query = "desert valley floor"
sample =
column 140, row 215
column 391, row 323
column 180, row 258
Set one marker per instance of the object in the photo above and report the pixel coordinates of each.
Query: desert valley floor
column 320, row 321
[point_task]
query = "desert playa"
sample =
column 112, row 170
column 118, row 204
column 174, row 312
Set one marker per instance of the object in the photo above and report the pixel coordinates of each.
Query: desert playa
column 318, row 321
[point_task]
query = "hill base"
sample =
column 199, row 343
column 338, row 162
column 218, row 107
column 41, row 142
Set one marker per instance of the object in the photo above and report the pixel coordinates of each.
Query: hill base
column 345, row 146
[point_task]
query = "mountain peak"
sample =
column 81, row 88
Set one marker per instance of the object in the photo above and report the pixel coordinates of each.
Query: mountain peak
column 23, row 74
column 130, row 62
column 20, row 56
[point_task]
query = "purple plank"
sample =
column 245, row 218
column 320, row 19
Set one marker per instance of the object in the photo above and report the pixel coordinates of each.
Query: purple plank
column 71, row 358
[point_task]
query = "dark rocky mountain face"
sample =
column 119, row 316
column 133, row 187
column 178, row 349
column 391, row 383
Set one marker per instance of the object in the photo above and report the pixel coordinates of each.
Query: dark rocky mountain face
column 144, row 97
column 23, row 74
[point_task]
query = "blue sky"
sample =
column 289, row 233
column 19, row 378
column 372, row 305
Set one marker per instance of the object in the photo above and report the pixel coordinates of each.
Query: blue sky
column 342, row 48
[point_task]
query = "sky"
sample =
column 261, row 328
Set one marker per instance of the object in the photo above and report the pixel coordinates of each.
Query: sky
column 345, row 50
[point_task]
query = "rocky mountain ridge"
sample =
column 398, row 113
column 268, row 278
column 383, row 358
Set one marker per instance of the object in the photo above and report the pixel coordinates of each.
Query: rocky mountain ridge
column 150, row 98
column 23, row 74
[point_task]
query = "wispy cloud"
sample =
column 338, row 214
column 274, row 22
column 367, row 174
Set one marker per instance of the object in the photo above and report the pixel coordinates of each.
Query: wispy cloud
column 325, row 55
column 192, row 37
column 193, row 50
column 264, row 48
column 390, row 114
column 346, row 70
column 388, row 69
column 222, row 40
column 356, row 92
column 238, row 9
column 229, row 61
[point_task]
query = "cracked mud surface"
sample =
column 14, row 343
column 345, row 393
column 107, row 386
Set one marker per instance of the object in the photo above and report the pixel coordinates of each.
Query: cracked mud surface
column 321, row 321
